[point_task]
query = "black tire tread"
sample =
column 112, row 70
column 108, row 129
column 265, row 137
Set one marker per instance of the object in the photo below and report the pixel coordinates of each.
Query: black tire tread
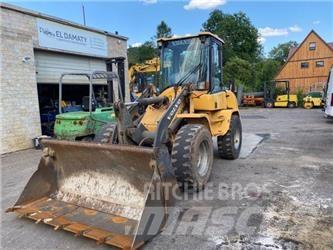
column 181, row 156
column 225, row 143
column 105, row 135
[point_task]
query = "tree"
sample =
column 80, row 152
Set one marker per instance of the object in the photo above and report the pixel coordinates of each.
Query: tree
column 265, row 71
column 163, row 30
column 281, row 51
column 147, row 50
column 238, row 33
column 240, row 71
column 141, row 53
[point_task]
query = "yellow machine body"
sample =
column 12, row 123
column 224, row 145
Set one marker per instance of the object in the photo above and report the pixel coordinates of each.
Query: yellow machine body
column 282, row 100
column 313, row 99
column 211, row 109
column 149, row 67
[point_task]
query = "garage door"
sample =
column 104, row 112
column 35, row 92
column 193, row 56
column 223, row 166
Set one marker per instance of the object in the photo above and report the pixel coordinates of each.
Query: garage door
column 50, row 65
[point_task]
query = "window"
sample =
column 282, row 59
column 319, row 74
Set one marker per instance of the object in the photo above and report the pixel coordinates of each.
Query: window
column 319, row 64
column 312, row 46
column 180, row 58
column 216, row 68
column 304, row 65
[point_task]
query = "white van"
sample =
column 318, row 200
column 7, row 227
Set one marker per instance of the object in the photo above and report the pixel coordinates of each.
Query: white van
column 329, row 96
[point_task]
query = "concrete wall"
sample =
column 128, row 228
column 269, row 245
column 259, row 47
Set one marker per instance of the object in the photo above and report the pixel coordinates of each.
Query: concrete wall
column 19, row 108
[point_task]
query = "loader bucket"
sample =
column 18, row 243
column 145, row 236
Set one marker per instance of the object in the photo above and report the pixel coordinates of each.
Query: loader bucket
column 103, row 192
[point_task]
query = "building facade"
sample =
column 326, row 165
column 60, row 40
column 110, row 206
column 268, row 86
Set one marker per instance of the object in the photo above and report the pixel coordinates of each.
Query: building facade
column 35, row 50
column 308, row 65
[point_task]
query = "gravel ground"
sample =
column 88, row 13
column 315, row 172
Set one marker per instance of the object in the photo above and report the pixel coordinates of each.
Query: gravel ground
column 277, row 197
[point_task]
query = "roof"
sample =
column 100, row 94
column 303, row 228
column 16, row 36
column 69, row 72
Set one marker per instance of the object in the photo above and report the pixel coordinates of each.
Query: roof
column 59, row 20
column 330, row 44
column 205, row 33
column 293, row 49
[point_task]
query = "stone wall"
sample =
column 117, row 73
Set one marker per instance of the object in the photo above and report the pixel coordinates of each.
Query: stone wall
column 20, row 120
column 19, row 108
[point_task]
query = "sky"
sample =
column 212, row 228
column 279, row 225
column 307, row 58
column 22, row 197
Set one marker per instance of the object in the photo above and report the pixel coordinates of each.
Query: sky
column 277, row 21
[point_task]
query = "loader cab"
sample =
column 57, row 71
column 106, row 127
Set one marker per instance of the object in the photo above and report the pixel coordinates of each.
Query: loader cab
column 179, row 56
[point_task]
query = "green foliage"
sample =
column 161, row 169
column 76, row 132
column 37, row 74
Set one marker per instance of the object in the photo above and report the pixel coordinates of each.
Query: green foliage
column 238, row 33
column 141, row 53
column 279, row 90
column 240, row 71
column 163, row 30
column 148, row 50
column 300, row 96
column 281, row 51
column 265, row 71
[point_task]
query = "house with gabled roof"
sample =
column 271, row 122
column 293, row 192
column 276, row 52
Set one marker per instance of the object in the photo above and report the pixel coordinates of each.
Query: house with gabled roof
column 308, row 65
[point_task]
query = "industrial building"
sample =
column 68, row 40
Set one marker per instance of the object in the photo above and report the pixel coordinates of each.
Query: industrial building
column 35, row 50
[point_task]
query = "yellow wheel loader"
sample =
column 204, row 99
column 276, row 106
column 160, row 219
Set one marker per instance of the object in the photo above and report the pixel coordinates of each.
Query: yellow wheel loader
column 118, row 190
column 142, row 75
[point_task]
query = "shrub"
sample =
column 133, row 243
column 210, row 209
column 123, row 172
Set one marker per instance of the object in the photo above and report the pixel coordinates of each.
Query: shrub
column 300, row 96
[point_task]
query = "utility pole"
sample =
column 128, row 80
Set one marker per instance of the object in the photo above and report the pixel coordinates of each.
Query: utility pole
column 84, row 15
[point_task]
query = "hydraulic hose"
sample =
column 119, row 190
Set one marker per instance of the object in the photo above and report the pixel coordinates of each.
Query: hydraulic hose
column 152, row 100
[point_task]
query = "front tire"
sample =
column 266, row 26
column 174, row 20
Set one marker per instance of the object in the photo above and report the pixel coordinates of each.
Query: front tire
column 308, row 105
column 192, row 156
column 229, row 145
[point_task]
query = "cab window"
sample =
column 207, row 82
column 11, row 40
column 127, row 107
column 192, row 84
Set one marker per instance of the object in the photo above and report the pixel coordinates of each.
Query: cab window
column 216, row 67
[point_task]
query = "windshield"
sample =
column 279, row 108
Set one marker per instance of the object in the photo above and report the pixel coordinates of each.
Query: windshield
column 178, row 58
column 141, row 80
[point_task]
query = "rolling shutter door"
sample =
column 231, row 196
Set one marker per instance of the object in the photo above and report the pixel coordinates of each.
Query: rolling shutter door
column 50, row 65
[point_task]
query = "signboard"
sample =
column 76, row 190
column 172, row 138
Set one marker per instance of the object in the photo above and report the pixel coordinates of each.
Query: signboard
column 58, row 36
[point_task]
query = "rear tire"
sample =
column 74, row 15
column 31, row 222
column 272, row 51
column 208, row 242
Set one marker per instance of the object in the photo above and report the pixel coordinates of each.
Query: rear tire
column 269, row 105
column 88, row 138
column 230, row 144
column 291, row 105
column 107, row 134
column 192, row 156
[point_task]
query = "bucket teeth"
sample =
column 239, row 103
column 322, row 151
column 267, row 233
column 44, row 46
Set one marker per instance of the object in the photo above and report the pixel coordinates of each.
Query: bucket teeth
column 38, row 221
column 12, row 209
column 102, row 192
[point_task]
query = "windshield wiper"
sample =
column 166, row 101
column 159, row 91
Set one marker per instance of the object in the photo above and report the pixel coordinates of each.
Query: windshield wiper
column 185, row 77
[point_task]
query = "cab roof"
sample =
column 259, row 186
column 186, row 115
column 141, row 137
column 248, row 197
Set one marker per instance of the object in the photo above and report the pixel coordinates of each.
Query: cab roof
column 205, row 33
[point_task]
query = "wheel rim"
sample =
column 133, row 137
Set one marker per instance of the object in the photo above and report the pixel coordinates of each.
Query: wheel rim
column 202, row 165
column 237, row 139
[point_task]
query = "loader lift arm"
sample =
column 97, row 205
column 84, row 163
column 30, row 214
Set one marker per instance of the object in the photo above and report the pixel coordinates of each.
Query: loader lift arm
column 162, row 129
